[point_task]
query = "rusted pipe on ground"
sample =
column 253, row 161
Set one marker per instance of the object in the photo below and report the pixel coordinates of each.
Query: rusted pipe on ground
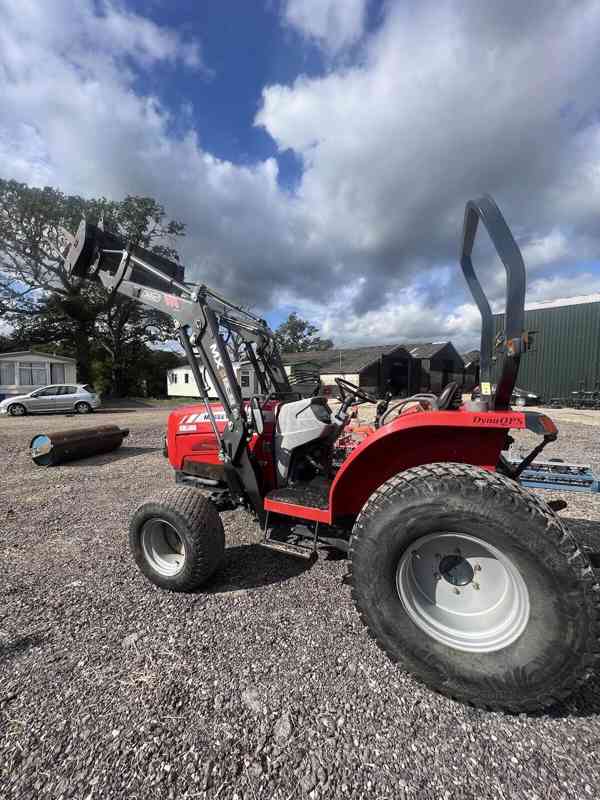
column 50, row 449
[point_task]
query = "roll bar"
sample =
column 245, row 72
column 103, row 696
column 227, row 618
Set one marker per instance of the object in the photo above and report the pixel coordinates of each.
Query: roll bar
column 515, row 340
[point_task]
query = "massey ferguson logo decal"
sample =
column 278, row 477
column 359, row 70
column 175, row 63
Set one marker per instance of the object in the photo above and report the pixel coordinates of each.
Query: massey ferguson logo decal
column 216, row 356
column 172, row 302
column 203, row 417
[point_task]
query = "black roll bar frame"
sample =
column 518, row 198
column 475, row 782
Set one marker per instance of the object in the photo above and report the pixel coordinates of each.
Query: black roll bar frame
column 515, row 340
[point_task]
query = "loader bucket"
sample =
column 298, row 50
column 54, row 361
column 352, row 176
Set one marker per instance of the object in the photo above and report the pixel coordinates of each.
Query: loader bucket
column 93, row 249
column 80, row 251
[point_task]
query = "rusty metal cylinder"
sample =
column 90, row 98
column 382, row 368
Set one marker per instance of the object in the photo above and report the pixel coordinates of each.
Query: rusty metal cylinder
column 50, row 449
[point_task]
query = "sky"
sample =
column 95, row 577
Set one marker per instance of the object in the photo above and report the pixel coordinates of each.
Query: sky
column 321, row 152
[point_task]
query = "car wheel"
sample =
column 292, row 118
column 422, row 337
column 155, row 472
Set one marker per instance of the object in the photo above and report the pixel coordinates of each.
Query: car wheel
column 17, row 410
column 83, row 408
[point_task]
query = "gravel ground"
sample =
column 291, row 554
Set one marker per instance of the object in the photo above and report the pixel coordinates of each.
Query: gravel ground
column 264, row 686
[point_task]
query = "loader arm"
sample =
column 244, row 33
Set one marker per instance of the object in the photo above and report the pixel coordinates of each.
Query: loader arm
column 199, row 314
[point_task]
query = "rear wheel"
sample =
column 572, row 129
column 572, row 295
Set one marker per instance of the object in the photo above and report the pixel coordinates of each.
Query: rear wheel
column 474, row 585
column 83, row 408
column 177, row 540
column 17, row 410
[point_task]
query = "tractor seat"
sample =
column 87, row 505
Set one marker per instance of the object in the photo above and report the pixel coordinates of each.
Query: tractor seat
column 446, row 398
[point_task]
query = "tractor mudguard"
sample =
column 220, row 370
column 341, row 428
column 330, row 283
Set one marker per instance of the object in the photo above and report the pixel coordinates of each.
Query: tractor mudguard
column 424, row 438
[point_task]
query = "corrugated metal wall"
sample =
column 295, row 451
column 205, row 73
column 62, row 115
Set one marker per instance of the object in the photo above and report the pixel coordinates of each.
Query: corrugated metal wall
column 567, row 350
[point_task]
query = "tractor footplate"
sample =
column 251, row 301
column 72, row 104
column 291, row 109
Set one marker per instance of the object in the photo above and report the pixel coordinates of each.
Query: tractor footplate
column 295, row 550
column 314, row 494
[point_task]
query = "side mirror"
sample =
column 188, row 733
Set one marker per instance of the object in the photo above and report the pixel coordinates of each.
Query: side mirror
column 257, row 416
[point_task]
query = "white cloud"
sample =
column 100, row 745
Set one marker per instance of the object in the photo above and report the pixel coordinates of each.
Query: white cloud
column 143, row 39
column 561, row 287
column 334, row 24
column 548, row 249
column 450, row 99
column 406, row 317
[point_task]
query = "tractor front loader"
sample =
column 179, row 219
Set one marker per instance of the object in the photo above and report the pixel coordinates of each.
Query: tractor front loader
column 460, row 574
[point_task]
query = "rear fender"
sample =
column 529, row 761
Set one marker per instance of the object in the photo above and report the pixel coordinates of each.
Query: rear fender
column 424, row 438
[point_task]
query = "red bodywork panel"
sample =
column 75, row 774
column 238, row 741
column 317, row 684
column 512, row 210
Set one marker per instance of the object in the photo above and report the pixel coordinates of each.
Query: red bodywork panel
column 407, row 441
column 419, row 438
column 190, row 437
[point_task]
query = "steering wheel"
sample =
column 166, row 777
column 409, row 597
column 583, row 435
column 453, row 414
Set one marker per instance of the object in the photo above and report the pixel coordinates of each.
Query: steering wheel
column 350, row 388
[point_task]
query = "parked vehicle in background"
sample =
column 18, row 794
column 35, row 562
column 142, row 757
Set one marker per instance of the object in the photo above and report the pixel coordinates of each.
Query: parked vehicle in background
column 519, row 397
column 80, row 398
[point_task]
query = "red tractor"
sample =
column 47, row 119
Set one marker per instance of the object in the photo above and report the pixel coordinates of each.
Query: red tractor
column 461, row 575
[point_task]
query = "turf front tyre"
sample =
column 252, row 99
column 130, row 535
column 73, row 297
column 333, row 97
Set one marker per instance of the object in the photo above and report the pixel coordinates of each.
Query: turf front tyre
column 473, row 584
column 178, row 540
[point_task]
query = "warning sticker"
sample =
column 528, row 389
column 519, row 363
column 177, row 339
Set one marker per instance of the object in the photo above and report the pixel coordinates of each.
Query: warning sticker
column 486, row 388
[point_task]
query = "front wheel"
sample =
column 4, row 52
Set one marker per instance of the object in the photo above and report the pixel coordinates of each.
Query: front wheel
column 177, row 540
column 17, row 410
column 473, row 584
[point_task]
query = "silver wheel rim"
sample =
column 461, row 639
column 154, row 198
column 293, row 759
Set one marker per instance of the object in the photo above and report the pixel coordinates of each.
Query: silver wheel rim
column 17, row 411
column 162, row 547
column 82, row 408
column 463, row 592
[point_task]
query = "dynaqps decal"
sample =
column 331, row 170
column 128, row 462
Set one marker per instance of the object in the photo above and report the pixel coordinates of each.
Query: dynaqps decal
column 502, row 422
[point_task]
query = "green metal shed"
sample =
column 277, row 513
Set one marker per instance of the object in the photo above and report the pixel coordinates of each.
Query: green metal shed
column 566, row 353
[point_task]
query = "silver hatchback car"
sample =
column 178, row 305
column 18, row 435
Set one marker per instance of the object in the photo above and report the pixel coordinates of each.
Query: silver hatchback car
column 80, row 398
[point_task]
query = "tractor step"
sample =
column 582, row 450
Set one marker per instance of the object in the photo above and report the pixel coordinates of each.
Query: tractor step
column 300, row 532
column 294, row 550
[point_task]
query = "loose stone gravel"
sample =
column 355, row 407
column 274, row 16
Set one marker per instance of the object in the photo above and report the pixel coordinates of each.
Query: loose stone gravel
column 263, row 686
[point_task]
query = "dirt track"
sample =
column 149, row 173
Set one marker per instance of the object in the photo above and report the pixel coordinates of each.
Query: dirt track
column 265, row 686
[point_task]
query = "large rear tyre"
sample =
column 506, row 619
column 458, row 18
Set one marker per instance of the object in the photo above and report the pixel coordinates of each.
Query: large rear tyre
column 178, row 540
column 473, row 584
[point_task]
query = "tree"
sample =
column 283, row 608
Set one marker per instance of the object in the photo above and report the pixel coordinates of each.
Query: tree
column 296, row 335
column 45, row 304
column 124, row 330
